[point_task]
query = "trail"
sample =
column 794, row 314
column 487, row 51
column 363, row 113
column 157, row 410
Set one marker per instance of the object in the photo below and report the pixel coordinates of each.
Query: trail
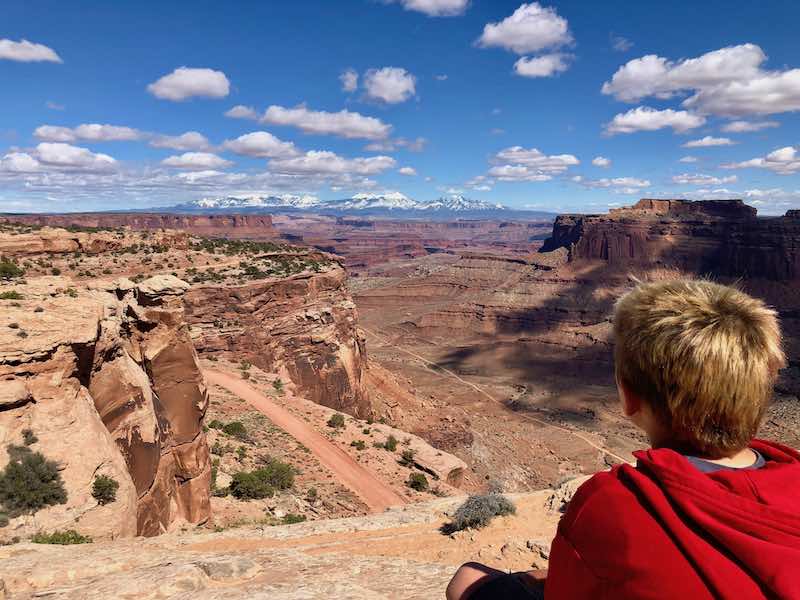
column 375, row 493
column 483, row 392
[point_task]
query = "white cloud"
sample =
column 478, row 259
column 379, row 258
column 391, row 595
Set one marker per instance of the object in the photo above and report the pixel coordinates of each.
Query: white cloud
column 521, row 164
column 344, row 123
column 191, row 140
column 688, row 159
column 601, row 161
column 389, row 84
column 410, row 171
column 480, row 183
column 54, row 105
column 240, row 111
column 530, row 28
column 415, row 145
column 783, row 161
column 620, row 185
column 349, row 79
column 542, row 66
column 322, row 162
column 728, row 81
column 644, row 118
column 186, row 82
column 196, row 160
column 698, row 179
column 436, row 8
column 261, row 144
column 25, row 51
column 442, row 77
column 620, row 44
column 93, row 132
column 748, row 126
column 708, row 141
column 65, row 156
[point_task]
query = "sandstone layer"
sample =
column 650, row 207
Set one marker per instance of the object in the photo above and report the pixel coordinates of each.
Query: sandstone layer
column 108, row 382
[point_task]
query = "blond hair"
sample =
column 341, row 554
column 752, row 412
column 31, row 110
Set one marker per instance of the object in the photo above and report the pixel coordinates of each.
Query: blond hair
column 704, row 356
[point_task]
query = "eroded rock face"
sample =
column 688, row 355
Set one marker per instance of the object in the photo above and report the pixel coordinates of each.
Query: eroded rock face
column 718, row 237
column 61, row 241
column 108, row 381
column 305, row 323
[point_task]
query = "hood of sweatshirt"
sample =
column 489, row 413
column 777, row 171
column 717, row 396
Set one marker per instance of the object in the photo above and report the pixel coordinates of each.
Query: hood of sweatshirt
column 740, row 528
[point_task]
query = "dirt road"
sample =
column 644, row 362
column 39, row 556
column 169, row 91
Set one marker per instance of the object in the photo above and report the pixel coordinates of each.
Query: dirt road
column 375, row 493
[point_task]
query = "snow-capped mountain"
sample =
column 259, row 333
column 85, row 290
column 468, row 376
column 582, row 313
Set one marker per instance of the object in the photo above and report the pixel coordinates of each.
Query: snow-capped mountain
column 394, row 204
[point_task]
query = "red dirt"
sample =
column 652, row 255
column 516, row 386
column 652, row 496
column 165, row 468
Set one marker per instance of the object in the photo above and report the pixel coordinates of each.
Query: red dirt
column 376, row 494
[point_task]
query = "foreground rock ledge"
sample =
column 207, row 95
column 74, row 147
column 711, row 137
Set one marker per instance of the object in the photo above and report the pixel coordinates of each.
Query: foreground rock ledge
column 108, row 381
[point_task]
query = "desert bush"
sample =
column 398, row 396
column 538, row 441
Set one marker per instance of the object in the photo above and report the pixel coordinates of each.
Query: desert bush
column 390, row 444
column 220, row 492
column 336, row 421
column 216, row 424
column 241, row 452
column 365, row 431
column 358, row 444
column 70, row 536
column 417, row 481
column 407, row 458
column 104, row 489
column 11, row 295
column 29, row 482
column 250, row 486
column 245, row 365
column 10, row 270
column 28, row 437
column 55, row 271
column 235, row 429
column 3, row 519
column 278, row 385
column 312, row 495
column 292, row 518
column 478, row 511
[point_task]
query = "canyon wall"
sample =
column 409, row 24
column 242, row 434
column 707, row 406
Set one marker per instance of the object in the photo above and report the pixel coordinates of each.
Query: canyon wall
column 212, row 225
column 108, row 383
column 718, row 237
column 304, row 323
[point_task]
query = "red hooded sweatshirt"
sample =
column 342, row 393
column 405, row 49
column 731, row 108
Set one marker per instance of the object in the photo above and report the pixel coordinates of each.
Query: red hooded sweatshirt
column 664, row 529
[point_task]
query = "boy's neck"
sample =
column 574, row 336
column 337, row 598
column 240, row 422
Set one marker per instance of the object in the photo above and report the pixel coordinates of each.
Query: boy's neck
column 742, row 459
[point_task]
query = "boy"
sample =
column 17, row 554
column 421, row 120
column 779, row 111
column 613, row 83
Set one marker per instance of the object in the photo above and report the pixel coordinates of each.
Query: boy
column 708, row 512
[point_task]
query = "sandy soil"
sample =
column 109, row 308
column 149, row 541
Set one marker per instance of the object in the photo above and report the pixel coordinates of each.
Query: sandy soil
column 366, row 485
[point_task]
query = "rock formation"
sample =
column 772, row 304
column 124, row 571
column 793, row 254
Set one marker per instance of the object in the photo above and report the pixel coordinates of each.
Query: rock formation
column 304, row 323
column 48, row 240
column 108, row 382
column 718, row 237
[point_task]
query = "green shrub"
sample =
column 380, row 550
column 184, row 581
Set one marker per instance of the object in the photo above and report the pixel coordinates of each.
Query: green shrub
column 55, row 271
column 390, row 444
column 245, row 365
column 221, row 492
column 312, row 495
column 365, row 431
column 292, row 518
column 407, row 458
column 11, row 295
column 336, row 421
column 70, row 536
column 417, row 481
column 3, row 520
column 250, row 486
column 30, row 482
column 28, row 437
column 235, row 429
column 216, row 424
column 10, row 270
column 241, row 452
column 278, row 386
column 478, row 511
column 358, row 444
column 104, row 489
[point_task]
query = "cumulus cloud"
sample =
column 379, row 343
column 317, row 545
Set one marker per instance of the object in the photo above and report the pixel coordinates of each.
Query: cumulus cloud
column 644, row 118
column 349, row 79
column 415, row 145
column 620, row 44
column 410, row 171
column 531, row 28
column 196, row 160
column 390, row 84
column 748, row 126
column 435, row 8
column 323, row 162
column 25, row 51
column 185, row 82
column 344, row 123
column 698, row 179
column 480, row 183
column 542, row 66
column 620, row 185
column 688, row 159
column 601, row 161
column 191, row 140
column 261, row 144
column 93, row 132
column 729, row 82
column 240, row 111
column 708, row 141
column 783, row 161
column 57, row 156
column 521, row 164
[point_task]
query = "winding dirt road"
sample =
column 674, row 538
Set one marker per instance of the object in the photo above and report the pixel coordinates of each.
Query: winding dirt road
column 375, row 493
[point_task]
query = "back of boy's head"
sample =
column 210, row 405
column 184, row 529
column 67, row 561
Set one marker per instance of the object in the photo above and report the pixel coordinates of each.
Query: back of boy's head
column 703, row 356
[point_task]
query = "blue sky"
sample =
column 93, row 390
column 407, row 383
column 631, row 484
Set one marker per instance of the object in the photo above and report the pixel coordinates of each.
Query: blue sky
column 555, row 106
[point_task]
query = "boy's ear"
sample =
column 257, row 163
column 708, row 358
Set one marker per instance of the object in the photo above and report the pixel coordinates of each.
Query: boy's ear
column 631, row 402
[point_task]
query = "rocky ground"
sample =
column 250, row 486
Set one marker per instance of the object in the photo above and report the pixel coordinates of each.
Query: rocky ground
column 399, row 554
